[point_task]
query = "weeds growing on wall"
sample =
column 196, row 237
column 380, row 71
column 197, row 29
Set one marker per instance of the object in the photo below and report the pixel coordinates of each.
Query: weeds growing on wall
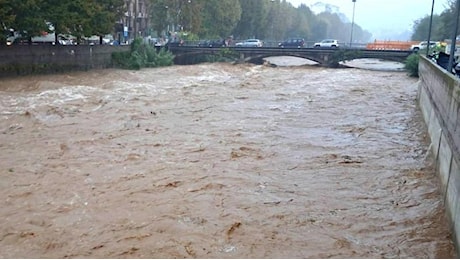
column 411, row 65
column 142, row 55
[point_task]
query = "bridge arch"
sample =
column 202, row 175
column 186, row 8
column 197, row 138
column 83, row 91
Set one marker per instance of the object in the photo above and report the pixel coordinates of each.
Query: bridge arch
column 260, row 59
column 325, row 57
column 196, row 56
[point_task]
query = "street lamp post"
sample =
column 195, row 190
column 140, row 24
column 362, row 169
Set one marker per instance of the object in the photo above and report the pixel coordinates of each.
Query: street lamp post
column 453, row 44
column 352, row 22
column 136, row 25
column 429, row 30
column 168, row 29
column 273, row 24
column 189, row 15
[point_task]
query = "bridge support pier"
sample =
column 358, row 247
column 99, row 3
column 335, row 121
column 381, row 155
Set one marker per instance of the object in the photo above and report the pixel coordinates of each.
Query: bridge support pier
column 242, row 58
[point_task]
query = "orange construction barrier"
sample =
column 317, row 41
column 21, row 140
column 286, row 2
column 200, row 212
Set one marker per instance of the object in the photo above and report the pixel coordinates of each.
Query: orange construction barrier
column 391, row 45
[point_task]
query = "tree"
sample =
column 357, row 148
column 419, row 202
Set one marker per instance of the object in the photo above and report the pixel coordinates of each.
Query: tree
column 280, row 18
column 66, row 16
column 421, row 28
column 83, row 17
column 24, row 16
column 253, row 21
column 286, row 19
column 7, row 16
column 159, row 15
column 335, row 27
column 220, row 17
column 319, row 29
column 103, row 15
column 308, row 18
column 449, row 19
column 180, row 13
column 78, row 17
column 186, row 14
column 273, row 20
column 300, row 25
column 442, row 27
column 264, row 19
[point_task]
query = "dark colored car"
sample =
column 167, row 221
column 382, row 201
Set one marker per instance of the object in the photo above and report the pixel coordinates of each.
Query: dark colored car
column 292, row 43
column 175, row 43
column 212, row 43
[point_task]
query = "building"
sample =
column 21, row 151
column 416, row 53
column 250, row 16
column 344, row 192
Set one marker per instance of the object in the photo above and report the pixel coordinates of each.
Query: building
column 135, row 21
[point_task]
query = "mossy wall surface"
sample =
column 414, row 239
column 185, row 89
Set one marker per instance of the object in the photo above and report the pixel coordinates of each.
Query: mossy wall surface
column 439, row 100
column 40, row 59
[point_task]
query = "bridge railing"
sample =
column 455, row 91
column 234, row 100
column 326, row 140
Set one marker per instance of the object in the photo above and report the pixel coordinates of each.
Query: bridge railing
column 390, row 45
column 308, row 44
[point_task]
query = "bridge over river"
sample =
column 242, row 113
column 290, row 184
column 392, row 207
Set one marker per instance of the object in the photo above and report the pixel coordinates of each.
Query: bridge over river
column 329, row 57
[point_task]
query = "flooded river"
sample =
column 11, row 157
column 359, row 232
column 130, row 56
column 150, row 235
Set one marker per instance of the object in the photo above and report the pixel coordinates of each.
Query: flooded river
column 218, row 161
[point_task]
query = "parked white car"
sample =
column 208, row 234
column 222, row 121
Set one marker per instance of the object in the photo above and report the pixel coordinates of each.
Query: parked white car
column 250, row 43
column 423, row 45
column 327, row 43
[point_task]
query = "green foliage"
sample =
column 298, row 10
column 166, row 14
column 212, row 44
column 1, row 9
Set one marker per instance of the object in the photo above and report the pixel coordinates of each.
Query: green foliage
column 411, row 65
column 25, row 16
column 442, row 27
column 342, row 56
column 436, row 49
column 221, row 17
column 204, row 19
column 188, row 36
column 83, row 17
column 159, row 15
column 165, row 13
column 421, row 29
column 141, row 56
column 76, row 17
column 224, row 55
column 276, row 20
column 228, row 53
column 7, row 14
column 448, row 20
column 270, row 20
column 253, row 21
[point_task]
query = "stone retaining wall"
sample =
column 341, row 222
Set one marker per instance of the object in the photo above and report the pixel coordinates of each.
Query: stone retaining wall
column 29, row 59
column 439, row 100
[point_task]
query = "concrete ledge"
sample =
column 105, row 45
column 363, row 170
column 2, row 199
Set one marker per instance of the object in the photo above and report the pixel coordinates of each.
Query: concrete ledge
column 439, row 99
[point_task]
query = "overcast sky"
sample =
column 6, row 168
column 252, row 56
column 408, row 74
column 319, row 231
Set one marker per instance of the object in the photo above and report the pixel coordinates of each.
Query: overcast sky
column 375, row 15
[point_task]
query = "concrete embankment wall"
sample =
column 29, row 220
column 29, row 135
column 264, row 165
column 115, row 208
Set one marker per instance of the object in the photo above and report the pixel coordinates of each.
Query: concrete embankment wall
column 439, row 100
column 25, row 59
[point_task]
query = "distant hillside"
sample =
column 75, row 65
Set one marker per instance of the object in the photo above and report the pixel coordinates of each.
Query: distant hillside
column 320, row 7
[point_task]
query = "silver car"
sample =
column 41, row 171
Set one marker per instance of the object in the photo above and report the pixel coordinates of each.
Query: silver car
column 328, row 43
column 250, row 43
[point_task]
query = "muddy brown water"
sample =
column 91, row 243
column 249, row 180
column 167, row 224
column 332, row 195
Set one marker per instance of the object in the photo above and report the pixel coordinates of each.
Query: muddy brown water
column 218, row 161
